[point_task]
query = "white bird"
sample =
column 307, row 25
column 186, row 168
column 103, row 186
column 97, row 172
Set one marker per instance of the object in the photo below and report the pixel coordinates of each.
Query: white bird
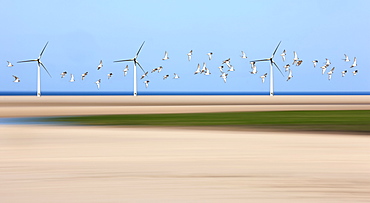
column 154, row 69
column 229, row 65
column 330, row 73
column 198, row 70
column 84, row 75
column 176, row 76
column 226, row 61
column 290, row 75
column 165, row 77
column 160, row 69
column 263, row 77
column 254, row 70
column 204, row 68
column 165, row 56
column 98, row 83
column 207, row 72
column 144, row 75
column 354, row 63
column 315, row 63
column 16, row 79
column 323, row 68
column 221, row 68
column 344, row 73
column 109, row 75
column 327, row 63
column 72, row 78
column 146, row 83
column 295, row 59
column 283, row 55
column 189, row 55
column 209, row 55
column 355, row 72
column 63, row 74
column 243, row 56
column 287, row 67
column 231, row 68
column 10, row 64
column 224, row 76
column 100, row 65
column 125, row 70
column 346, row 59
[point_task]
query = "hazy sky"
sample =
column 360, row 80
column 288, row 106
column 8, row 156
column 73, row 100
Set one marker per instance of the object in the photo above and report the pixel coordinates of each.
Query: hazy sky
column 81, row 33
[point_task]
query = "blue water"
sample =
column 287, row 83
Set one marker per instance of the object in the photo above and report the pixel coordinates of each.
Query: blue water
column 153, row 93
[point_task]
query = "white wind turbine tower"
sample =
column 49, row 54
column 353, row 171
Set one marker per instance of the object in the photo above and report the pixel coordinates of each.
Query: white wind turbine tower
column 39, row 63
column 135, row 62
column 272, row 63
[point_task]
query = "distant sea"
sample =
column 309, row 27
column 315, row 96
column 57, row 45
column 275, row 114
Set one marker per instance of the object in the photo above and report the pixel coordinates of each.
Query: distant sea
column 153, row 93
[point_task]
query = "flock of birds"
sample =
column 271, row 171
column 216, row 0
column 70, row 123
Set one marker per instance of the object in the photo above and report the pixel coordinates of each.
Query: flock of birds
column 206, row 71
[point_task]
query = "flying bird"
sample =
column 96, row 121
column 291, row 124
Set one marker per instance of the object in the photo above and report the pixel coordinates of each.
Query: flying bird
column 204, row 68
column 243, row 56
column 323, row 68
column 287, row 67
column 344, row 73
column 176, row 76
column 283, row 55
column 100, row 65
column 226, row 61
column 299, row 63
column 165, row 56
column 165, row 77
column 221, row 68
column 253, row 67
column 224, row 76
column 327, row 63
column 125, row 70
column 146, row 83
column 263, row 77
column 109, row 75
column 16, row 79
column 63, row 74
column 98, row 83
column 209, row 55
column 72, row 78
column 9, row 64
column 315, row 63
column 231, row 68
column 354, row 63
column 84, row 75
column 346, row 59
column 355, row 72
column 207, row 72
column 290, row 75
column 330, row 73
column 160, row 69
column 144, row 75
column 189, row 55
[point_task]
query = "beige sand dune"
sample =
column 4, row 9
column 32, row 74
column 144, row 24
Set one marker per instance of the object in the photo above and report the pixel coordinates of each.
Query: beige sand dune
column 18, row 106
column 97, row 164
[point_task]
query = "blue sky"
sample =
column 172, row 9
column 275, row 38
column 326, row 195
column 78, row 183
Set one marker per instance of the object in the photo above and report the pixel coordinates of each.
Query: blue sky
column 81, row 33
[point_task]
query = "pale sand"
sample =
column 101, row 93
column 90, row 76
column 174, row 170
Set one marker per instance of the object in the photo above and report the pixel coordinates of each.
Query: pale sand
column 42, row 164
column 105, row 164
column 30, row 106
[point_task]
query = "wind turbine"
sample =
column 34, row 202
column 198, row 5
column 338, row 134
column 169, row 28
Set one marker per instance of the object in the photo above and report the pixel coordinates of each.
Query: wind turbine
column 39, row 63
column 272, row 63
column 135, row 62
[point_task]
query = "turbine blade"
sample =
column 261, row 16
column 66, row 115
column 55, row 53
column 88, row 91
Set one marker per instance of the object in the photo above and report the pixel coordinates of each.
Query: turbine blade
column 137, row 54
column 278, row 68
column 27, row 61
column 140, row 66
column 261, row 60
column 45, row 68
column 123, row 60
column 276, row 50
column 43, row 49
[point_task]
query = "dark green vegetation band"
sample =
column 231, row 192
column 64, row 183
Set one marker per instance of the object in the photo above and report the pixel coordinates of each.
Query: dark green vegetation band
column 347, row 121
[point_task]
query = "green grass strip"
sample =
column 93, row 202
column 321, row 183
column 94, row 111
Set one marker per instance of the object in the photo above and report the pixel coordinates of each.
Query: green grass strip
column 348, row 121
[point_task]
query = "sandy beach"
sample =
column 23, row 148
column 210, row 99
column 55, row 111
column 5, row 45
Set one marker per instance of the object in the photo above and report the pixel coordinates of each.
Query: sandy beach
column 46, row 163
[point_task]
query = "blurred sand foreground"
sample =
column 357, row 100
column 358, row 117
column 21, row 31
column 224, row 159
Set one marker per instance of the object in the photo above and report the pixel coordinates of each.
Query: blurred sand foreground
column 42, row 164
